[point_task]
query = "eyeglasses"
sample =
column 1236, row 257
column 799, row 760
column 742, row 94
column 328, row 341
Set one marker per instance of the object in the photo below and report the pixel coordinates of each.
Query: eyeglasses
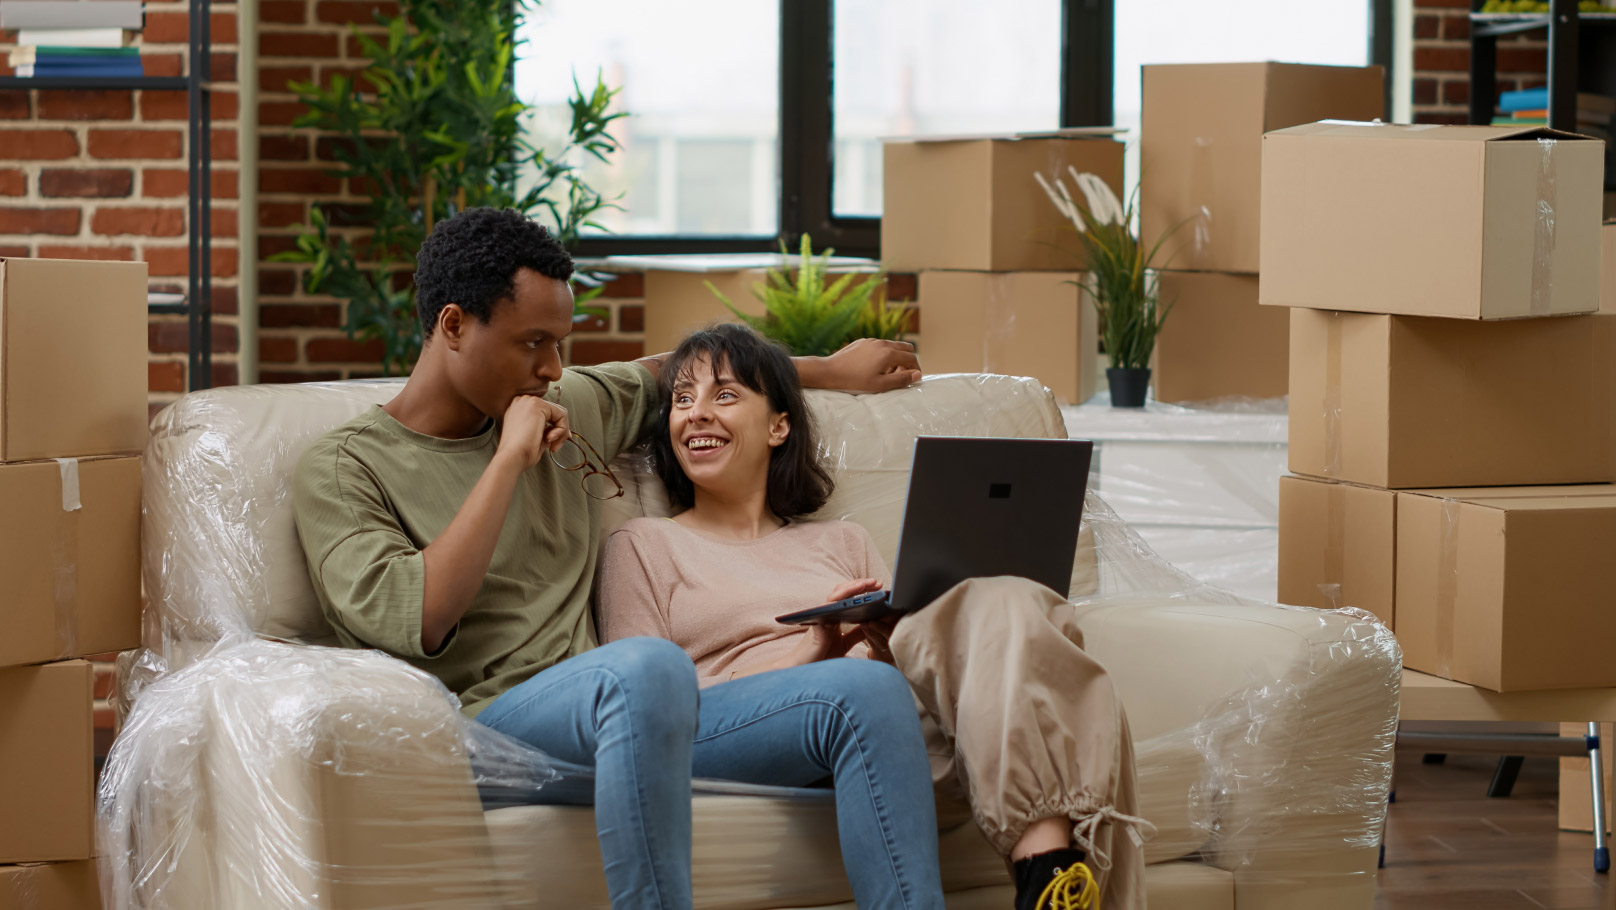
column 575, row 455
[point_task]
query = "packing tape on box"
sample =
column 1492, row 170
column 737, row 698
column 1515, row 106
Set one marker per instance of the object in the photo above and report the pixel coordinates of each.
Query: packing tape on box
column 1332, row 398
column 999, row 318
column 1335, row 536
column 1202, row 183
column 66, row 563
column 1447, row 585
column 1543, row 233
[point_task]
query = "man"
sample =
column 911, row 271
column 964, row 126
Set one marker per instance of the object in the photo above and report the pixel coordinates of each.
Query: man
column 438, row 528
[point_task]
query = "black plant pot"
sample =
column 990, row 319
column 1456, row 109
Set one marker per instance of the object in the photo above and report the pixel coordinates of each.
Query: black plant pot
column 1128, row 385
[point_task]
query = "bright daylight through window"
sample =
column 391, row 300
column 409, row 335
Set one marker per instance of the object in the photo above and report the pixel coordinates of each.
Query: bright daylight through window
column 700, row 152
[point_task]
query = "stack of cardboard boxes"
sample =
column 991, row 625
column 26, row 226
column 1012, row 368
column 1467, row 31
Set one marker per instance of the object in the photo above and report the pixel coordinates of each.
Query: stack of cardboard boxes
column 72, row 424
column 998, row 285
column 1452, row 418
column 1200, row 155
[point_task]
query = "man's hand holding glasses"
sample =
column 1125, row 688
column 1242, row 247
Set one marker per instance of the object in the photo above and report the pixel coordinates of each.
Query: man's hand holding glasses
column 536, row 426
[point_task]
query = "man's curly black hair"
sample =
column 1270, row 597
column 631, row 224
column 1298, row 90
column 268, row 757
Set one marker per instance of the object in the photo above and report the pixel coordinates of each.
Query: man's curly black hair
column 471, row 259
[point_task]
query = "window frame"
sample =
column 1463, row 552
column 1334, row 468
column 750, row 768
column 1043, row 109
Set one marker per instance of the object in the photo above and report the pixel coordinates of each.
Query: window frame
column 807, row 73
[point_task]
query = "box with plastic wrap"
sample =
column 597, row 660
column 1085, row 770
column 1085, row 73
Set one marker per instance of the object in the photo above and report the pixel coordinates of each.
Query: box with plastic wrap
column 284, row 772
column 1199, row 485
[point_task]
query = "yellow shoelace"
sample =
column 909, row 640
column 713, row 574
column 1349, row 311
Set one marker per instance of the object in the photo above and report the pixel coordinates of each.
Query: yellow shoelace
column 1072, row 888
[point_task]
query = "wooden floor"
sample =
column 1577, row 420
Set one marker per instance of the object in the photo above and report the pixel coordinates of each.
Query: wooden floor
column 1449, row 846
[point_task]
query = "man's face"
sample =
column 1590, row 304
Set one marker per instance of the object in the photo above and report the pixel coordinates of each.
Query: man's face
column 518, row 351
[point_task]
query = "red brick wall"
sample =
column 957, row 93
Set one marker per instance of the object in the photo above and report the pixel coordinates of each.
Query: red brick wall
column 1442, row 61
column 301, row 337
column 101, row 175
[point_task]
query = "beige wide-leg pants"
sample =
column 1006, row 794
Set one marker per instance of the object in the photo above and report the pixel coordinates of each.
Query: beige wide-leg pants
column 1023, row 725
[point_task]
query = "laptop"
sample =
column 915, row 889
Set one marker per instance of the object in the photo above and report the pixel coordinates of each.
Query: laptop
column 978, row 508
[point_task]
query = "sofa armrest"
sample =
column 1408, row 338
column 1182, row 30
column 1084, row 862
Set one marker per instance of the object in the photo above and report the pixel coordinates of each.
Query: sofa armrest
column 298, row 777
column 1295, row 712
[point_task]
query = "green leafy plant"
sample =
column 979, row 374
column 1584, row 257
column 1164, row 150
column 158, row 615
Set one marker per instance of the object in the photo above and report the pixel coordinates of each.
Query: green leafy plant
column 1538, row 6
column 813, row 318
column 431, row 127
column 1119, row 267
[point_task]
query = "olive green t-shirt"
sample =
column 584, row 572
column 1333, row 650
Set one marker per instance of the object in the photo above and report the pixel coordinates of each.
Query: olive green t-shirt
column 371, row 494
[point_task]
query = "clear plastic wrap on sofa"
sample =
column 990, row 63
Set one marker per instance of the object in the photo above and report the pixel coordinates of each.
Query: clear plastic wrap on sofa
column 254, row 772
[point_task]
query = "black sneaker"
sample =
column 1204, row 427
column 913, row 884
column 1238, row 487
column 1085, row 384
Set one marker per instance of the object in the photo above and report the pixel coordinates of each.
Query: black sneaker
column 1057, row 880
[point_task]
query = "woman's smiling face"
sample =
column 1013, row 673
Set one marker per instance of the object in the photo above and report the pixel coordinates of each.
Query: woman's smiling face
column 723, row 433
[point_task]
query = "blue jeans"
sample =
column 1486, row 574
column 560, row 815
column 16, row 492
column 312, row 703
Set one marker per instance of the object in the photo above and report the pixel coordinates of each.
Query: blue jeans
column 632, row 710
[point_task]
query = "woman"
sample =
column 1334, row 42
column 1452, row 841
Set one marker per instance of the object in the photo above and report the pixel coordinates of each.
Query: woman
column 1022, row 724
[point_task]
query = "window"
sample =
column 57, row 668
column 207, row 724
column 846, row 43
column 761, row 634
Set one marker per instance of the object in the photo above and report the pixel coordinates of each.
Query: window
column 915, row 67
column 761, row 119
column 1320, row 31
column 700, row 154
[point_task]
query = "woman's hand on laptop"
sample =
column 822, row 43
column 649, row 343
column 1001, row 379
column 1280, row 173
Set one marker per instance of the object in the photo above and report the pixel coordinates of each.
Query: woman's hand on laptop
column 878, row 634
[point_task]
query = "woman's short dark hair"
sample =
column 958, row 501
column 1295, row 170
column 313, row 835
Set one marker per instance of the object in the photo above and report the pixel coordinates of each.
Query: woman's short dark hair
column 798, row 484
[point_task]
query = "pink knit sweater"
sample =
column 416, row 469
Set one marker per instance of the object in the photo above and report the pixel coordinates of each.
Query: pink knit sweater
column 717, row 598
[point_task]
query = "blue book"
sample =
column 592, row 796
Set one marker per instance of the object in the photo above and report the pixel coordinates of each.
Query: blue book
column 1532, row 99
column 115, row 63
column 130, row 69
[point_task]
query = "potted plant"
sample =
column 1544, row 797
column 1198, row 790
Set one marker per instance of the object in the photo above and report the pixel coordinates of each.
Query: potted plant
column 433, row 126
column 1120, row 280
column 813, row 318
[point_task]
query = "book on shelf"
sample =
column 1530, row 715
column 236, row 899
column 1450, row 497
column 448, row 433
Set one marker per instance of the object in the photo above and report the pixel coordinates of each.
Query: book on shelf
column 1537, row 99
column 73, row 37
column 130, row 68
column 55, row 14
column 31, row 53
column 1598, row 130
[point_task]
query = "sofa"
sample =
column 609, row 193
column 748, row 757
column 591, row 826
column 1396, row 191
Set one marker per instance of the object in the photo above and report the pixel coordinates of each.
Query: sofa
column 261, row 766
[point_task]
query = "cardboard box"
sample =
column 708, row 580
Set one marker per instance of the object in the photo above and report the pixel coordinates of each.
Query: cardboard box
column 70, row 557
column 678, row 300
column 1217, row 342
column 1338, row 546
column 47, row 763
column 72, row 358
column 677, row 303
column 50, row 886
column 1200, row 147
column 1508, row 588
column 1607, row 268
column 1401, row 401
column 1473, row 222
column 972, row 203
column 1018, row 323
column 1576, row 802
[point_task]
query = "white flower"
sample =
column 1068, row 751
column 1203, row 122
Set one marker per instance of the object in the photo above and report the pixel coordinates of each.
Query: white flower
column 1103, row 205
column 1063, row 201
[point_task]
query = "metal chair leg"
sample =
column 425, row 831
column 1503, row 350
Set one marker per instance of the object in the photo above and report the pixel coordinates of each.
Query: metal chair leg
column 1509, row 768
column 1596, row 775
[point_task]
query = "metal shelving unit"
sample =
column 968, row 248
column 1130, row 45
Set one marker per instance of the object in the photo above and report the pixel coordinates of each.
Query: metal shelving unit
column 1582, row 57
column 199, row 166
